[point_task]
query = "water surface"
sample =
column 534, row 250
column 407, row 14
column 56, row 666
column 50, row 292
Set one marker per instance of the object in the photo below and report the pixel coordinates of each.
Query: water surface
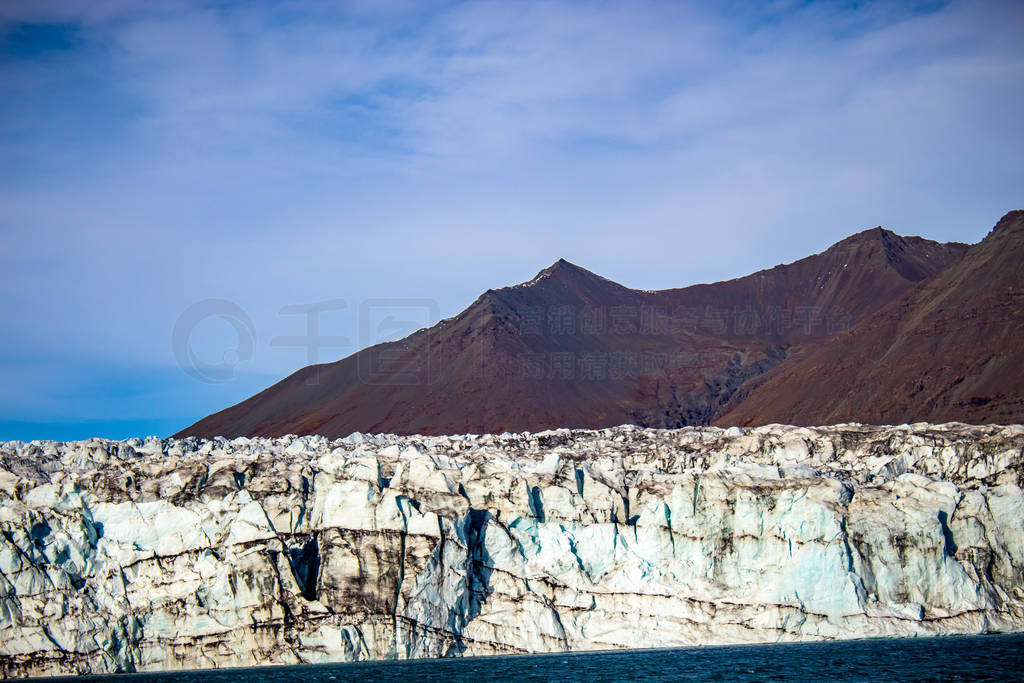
column 951, row 658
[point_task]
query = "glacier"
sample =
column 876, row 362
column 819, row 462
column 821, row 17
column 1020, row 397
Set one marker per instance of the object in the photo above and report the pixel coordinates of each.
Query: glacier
column 160, row 554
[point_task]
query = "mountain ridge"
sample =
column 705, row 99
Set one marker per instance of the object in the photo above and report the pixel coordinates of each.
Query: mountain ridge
column 570, row 348
column 945, row 350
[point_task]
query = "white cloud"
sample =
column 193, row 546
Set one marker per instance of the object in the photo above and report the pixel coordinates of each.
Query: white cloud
column 283, row 153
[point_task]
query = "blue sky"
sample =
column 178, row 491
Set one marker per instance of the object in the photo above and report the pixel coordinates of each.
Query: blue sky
column 272, row 154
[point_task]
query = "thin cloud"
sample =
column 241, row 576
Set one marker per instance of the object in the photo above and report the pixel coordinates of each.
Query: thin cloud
column 156, row 154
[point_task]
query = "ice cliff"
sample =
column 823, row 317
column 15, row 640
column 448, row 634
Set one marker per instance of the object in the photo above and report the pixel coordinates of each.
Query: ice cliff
column 163, row 554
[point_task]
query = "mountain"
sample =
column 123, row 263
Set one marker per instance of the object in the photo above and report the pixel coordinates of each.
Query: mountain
column 846, row 282
column 948, row 349
column 572, row 349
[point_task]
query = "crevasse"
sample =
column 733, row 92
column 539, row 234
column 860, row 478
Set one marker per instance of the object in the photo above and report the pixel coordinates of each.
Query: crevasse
column 167, row 554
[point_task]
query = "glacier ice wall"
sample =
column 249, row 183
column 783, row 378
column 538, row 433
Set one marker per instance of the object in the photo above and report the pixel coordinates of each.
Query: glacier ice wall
column 168, row 554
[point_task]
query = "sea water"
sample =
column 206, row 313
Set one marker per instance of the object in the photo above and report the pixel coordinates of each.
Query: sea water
column 949, row 658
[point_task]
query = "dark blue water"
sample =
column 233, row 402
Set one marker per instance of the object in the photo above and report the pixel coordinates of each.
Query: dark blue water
column 960, row 658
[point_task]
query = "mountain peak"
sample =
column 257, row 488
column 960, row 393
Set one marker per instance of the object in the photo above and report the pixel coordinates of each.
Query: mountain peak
column 1013, row 220
column 913, row 258
column 560, row 270
column 565, row 283
column 563, row 266
column 869, row 235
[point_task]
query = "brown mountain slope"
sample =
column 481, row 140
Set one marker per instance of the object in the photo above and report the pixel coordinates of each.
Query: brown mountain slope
column 852, row 278
column 570, row 348
column 510, row 361
column 950, row 349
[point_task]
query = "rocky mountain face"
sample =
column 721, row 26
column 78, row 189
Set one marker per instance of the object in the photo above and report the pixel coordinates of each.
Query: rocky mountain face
column 168, row 554
column 947, row 349
column 572, row 349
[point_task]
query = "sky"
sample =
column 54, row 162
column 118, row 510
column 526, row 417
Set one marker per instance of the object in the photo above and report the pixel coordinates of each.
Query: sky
column 181, row 181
